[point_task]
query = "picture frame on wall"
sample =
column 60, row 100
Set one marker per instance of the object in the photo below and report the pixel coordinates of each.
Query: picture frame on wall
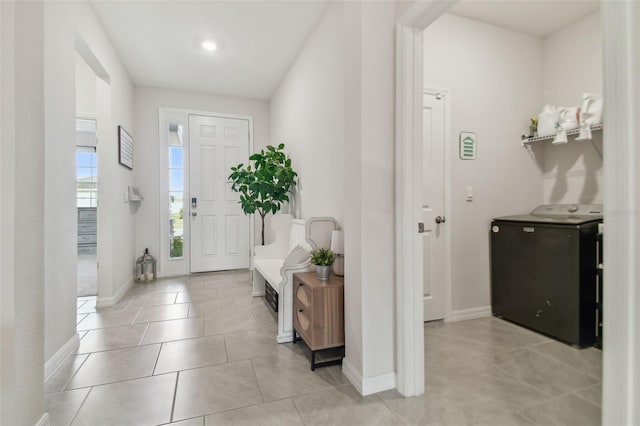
column 125, row 148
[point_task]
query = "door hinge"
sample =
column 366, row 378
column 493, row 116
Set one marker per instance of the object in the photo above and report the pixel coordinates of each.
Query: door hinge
column 438, row 96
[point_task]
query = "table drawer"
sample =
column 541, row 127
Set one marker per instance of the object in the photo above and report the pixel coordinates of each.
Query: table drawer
column 87, row 249
column 87, row 238
column 302, row 294
column 87, row 213
column 87, row 227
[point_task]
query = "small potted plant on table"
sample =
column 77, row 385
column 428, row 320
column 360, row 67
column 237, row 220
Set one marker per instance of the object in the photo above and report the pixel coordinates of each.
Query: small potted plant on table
column 323, row 259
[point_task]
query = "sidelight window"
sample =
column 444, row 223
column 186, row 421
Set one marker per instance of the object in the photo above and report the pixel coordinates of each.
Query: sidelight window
column 176, row 192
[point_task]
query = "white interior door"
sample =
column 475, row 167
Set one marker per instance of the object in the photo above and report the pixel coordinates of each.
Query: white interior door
column 432, row 207
column 219, row 229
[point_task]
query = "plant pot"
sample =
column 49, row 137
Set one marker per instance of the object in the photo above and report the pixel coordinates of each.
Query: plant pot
column 323, row 272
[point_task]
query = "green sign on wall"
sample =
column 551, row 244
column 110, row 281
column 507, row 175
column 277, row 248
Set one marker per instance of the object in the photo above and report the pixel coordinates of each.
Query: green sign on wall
column 468, row 145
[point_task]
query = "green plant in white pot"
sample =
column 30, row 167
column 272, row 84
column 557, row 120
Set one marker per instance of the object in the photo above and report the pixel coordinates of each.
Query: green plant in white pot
column 323, row 259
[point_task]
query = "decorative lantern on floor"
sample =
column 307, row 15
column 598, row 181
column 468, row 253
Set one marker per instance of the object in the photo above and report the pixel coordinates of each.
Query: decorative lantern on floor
column 146, row 267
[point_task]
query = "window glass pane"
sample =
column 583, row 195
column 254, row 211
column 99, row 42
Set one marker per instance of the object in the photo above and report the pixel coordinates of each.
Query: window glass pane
column 176, row 202
column 175, row 157
column 175, row 180
column 84, row 173
column 87, row 177
column 176, row 227
column 176, row 186
column 175, row 246
column 84, row 159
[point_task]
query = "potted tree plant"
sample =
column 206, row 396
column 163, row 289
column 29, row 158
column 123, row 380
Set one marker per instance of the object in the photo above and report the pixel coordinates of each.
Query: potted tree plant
column 323, row 259
column 265, row 185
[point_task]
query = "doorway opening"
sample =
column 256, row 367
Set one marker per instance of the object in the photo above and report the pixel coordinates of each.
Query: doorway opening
column 87, row 206
column 434, row 205
column 86, row 164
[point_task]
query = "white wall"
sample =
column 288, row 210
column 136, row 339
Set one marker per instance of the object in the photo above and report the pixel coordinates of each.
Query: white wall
column 306, row 113
column 7, row 212
column 148, row 100
column 66, row 23
column 377, row 189
column 572, row 65
column 352, row 365
column 495, row 80
column 572, row 62
column 86, row 89
column 334, row 111
column 369, row 195
column 22, row 209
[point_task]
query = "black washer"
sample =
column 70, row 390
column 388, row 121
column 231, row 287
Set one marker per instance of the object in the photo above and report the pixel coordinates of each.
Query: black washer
column 543, row 270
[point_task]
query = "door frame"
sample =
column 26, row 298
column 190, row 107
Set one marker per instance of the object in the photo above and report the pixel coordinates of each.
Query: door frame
column 409, row 105
column 167, row 115
column 448, row 131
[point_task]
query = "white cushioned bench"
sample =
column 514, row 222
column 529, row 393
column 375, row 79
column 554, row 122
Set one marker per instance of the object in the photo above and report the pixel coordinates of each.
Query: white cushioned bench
column 274, row 280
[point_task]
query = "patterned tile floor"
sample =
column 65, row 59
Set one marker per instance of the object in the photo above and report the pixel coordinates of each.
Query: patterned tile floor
column 200, row 351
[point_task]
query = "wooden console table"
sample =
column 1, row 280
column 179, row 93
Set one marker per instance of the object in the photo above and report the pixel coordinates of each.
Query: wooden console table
column 318, row 314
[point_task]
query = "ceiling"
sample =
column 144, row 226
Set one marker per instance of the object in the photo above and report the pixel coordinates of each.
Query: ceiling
column 159, row 42
column 538, row 18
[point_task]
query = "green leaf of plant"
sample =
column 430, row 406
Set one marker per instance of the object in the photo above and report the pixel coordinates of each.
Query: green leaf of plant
column 265, row 184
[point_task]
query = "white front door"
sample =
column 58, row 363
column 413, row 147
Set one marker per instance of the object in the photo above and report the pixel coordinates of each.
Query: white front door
column 432, row 205
column 219, row 228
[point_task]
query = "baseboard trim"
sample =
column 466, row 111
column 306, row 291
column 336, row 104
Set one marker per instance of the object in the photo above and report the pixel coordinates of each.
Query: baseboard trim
column 379, row 383
column 45, row 420
column 369, row 385
column 105, row 302
column 473, row 313
column 58, row 358
column 352, row 374
column 285, row 337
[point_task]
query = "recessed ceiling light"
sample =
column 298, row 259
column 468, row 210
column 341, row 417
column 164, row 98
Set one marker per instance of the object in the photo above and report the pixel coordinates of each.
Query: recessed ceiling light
column 209, row 46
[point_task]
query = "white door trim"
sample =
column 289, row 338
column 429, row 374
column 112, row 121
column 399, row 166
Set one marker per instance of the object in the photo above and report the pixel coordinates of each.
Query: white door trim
column 167, row 115
column 410, row 338
column 409, row 89
column 621, row 354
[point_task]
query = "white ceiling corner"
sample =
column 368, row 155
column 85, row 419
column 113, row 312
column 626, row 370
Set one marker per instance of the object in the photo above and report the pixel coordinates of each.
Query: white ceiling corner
column 159, row 42
column 537, row 18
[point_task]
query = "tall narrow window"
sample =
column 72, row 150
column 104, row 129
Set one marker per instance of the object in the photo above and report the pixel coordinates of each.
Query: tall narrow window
column 86, row 163
column 176, row 192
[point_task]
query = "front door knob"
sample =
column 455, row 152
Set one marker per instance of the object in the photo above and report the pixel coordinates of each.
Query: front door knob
column 441, row 219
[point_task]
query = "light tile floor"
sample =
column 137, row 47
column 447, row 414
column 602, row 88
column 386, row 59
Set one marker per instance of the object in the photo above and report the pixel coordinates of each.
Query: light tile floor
column 201, row 351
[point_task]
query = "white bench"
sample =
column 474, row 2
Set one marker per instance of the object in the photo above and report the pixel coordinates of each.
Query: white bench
column 268, row 262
